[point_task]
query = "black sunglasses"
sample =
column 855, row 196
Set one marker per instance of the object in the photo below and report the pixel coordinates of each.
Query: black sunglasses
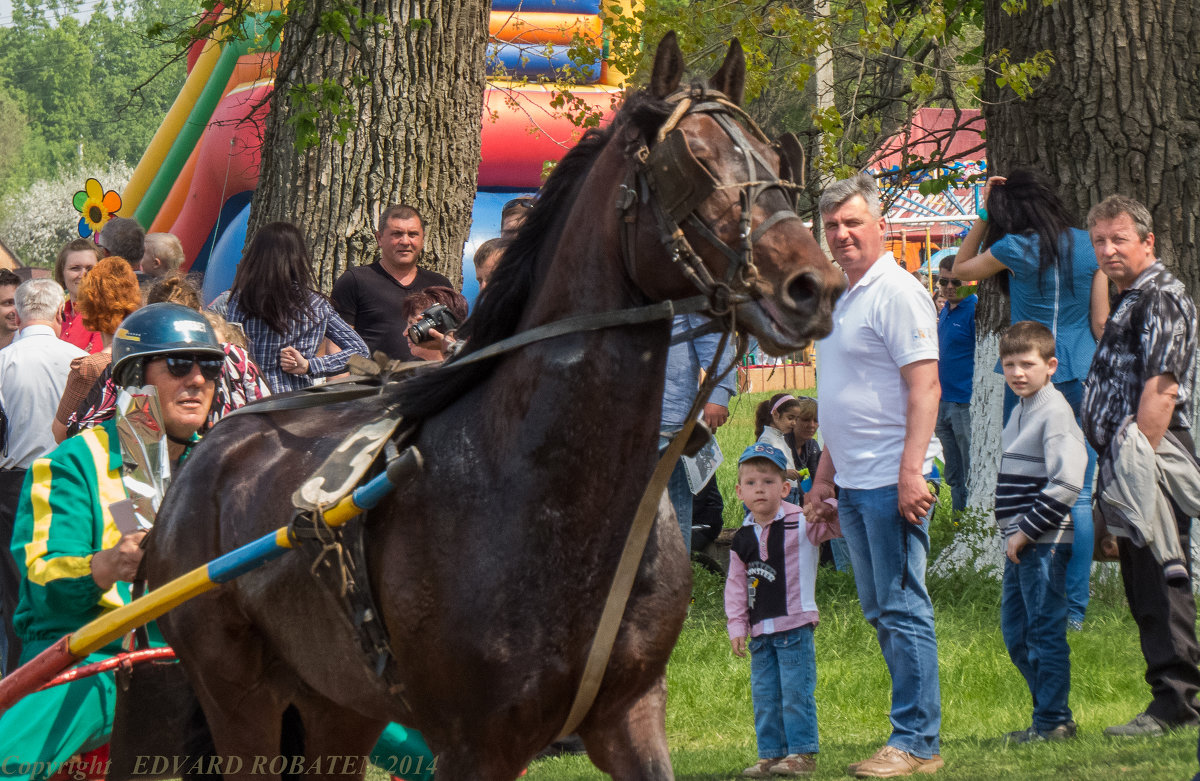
column 181, row 366
column 954, row 282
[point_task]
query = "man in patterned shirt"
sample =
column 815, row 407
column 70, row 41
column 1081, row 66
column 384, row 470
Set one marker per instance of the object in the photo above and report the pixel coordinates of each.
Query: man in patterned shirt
column 1145, row 367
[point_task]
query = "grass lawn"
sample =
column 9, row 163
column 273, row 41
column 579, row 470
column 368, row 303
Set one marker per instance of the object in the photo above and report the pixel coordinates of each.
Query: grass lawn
column 709, row 719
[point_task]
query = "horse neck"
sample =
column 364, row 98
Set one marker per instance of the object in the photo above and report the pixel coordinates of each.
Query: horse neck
column 619, row 369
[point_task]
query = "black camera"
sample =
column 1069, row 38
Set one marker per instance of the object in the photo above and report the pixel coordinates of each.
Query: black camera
column 437, row 317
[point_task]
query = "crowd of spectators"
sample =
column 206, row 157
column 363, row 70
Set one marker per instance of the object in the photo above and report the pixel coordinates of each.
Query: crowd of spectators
column 1103, row 344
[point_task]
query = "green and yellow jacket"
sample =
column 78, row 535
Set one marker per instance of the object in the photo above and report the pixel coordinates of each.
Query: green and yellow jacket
column 63, row 519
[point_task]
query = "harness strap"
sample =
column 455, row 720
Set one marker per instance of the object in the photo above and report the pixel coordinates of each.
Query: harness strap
column 709, row 327
column 307, row 398
column 770, row 222
column 664, row 310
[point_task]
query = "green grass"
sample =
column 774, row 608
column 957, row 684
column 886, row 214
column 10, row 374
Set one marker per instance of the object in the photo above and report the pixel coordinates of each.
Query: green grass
column 710, row 725
column 711, row 728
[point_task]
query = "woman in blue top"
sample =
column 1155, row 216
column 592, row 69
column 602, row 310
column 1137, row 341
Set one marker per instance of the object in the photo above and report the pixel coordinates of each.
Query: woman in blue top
column 284, row 318
column 1054, row 279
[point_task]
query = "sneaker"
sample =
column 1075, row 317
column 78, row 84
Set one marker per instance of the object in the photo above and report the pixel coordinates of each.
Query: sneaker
column 1027, row 735
column 761, row 768
column 1142, row 725
column 1075, row 624
column 1064, row 731
column 890, row 761
column 795, row 765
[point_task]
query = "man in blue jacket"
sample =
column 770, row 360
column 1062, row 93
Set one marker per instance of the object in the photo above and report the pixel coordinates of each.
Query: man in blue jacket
column 956, row 366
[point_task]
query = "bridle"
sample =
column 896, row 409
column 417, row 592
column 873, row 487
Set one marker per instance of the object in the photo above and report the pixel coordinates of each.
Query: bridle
column 669, row 179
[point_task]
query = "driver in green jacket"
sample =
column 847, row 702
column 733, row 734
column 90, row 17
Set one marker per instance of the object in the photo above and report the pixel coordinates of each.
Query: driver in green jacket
column 75, row 563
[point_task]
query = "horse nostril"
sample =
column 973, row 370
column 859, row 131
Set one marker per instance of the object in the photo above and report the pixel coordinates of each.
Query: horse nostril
column 803, row 291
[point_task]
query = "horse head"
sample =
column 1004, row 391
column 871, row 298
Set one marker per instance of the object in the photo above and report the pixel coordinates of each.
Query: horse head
column 707, row 185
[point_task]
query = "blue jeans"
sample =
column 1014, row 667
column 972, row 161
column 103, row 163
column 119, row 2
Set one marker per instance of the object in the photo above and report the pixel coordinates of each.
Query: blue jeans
column 841, row 554
column 954, row 430
column 783, row 682
column 889, row 556
column 1033, row 619
column 679, row 492
column 1079, row 570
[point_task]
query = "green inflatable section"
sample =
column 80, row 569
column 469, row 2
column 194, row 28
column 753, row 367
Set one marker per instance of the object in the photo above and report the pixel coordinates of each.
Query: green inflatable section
column 251, row 41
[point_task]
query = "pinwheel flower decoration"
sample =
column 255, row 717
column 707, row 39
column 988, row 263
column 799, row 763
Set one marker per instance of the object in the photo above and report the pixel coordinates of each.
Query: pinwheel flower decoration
column 96, row 207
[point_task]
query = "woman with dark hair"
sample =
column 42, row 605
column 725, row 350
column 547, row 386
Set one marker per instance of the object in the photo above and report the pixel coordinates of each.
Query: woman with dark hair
column 273, row 298
column 1026, row 230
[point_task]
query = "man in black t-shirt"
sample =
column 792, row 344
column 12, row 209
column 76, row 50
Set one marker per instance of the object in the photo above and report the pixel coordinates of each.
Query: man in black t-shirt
column 369, row 297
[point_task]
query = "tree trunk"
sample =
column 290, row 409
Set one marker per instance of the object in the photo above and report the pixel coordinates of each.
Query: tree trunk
column 1116, row 114
column 413, row 135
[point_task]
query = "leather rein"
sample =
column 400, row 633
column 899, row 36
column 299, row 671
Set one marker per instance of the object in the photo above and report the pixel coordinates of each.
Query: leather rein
column 674, row 183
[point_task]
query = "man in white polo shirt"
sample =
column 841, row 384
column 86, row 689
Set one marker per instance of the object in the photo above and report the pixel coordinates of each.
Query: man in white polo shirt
column 877, row 382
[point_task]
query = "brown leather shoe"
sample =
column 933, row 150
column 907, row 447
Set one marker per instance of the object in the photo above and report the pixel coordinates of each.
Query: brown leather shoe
column 890, row 762
column 852, row 768
column 795, row 765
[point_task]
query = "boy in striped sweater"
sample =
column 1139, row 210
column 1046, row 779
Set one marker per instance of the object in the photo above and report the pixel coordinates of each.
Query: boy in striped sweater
column 1041, row 473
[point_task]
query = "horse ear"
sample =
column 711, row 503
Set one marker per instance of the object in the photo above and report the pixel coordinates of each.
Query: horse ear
column 668, row 67
column 731, row 78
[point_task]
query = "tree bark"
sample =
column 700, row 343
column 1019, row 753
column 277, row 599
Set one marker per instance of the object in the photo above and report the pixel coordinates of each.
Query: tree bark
column 1116, row 114
column 414, row 136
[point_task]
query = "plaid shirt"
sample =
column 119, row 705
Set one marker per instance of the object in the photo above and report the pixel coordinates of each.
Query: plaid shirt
column 1152, row 331
column 305, row 333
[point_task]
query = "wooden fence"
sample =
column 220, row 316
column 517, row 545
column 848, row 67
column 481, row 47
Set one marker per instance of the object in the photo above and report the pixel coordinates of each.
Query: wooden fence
column 785, row 376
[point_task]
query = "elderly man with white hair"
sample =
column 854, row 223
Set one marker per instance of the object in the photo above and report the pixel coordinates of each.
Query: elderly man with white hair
column 33, row 373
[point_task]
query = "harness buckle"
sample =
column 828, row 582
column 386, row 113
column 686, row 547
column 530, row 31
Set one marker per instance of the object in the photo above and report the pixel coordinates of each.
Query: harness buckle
column 720, row 299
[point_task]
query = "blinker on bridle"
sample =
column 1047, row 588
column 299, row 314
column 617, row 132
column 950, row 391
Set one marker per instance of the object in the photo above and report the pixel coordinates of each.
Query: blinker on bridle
column 675, row 184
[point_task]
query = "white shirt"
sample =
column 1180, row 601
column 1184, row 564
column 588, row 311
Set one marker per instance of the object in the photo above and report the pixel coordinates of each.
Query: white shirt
column 774, row 437
column 33, row 374
column 884, row 322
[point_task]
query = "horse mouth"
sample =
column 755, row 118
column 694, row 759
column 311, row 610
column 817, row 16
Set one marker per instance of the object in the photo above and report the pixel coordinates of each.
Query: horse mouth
column 780, row 334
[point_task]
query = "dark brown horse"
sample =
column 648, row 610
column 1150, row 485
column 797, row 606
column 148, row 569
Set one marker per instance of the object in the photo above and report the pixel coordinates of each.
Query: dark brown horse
column 491, row 570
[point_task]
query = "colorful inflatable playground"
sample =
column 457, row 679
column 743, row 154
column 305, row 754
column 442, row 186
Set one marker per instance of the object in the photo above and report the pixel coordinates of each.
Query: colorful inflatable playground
column 196, row 177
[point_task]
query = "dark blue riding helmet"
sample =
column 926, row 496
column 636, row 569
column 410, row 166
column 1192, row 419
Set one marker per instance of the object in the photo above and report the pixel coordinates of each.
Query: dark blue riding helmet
column 159, row 329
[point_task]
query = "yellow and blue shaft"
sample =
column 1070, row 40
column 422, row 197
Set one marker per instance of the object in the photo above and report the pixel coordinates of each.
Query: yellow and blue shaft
column 114, row 624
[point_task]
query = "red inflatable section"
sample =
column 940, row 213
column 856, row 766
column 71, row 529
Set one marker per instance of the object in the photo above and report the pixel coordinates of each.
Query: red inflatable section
column 513, row 156
column 227, row 163
column 197, row 47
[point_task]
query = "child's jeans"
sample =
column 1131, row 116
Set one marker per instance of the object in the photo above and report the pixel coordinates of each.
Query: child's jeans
column 783, row 681
column 1033, row 619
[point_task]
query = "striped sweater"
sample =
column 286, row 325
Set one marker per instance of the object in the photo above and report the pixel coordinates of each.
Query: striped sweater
column 1042, row 469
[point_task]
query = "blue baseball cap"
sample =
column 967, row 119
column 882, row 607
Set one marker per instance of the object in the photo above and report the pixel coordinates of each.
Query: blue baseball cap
column 763, row 450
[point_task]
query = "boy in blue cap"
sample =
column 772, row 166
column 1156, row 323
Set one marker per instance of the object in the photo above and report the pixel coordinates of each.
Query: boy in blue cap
column 769, row 597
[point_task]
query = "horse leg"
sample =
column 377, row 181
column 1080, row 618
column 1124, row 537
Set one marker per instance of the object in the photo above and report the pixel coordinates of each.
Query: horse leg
column 337, row 741
column 242, row 704
column 632, row 746
column 486, row 761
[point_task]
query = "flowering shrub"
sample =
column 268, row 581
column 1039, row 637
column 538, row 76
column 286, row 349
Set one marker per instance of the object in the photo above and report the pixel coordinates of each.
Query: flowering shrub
column 37, row 221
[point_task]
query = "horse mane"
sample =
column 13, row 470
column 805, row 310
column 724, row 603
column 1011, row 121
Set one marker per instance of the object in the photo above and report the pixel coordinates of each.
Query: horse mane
column 513, row 283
